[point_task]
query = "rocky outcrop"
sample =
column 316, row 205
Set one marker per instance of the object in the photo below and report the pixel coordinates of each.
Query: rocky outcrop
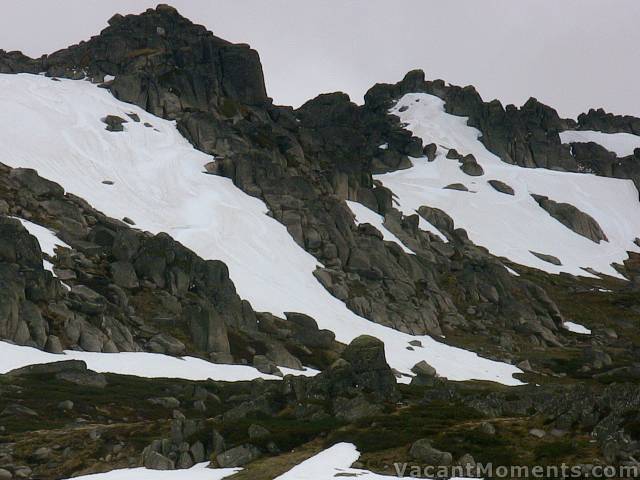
column 124, row 290
column 572, row 218
column 303, row 164
column 601, row 121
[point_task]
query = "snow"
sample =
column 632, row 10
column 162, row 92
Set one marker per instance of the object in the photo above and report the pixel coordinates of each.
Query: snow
column 511, row 226
column 622, row 144
column 335, row 462
column 46, row 238
column 140, row 364
column 366, row 215
column 576, row 328
column 197, row 472
column 158, row 182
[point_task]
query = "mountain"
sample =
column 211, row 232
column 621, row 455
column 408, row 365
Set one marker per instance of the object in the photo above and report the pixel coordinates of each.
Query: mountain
column 191, row 273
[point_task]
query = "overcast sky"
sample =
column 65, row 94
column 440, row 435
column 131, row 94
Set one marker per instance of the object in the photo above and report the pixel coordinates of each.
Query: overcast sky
column 571, row 54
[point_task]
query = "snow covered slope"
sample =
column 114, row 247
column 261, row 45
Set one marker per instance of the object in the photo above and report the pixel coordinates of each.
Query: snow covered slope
column 622, row 144
column 55, row 128
column 512, row 226
column 139, row 364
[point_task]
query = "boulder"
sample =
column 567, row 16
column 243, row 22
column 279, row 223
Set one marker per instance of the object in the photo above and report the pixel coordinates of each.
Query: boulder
column 572, row 218
column 238, row 456
column 114, row 123
column 422, row 451
column 156, row 461
column 423, row 369
column 501, row 187
column 457, row 186
column 547, row 258
column 430, row 150
column 85, row 379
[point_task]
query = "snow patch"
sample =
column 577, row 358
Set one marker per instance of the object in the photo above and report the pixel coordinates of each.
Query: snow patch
column 576, row 328
column 159, row 184
column 365, row 215
column 47, row 240
column 510, row 226
column 197, row 472
column 139, row 364
column 334, row 462
column 622, row 144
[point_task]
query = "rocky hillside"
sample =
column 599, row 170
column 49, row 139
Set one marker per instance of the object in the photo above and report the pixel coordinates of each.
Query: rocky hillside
column 426, row 278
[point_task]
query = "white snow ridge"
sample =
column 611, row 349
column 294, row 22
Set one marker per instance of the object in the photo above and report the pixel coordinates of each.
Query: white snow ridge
column 158, row 182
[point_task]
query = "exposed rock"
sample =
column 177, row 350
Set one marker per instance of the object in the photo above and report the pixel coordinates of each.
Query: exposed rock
column 156, row 461
column 457, row 186
column 487, row 428
column 18, row 410
column 472, row 169
column 547, row 258
column 501, row 187
column 538, row 433
column 88, row 378
column 366, row 357
column 66, row 405
column 114, row 123
column 430, row 151
column 423, row 369
column 258, row 432
column 453, row 154
column 422, row 451
column 238, row 456
column 572, row 218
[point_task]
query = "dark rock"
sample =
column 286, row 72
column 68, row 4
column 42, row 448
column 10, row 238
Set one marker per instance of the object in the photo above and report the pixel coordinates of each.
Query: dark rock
column 453, row 154
column 430, row 151
column 156, row 461
column 238, row 456
column 50, row 368
column 66, row 405
column 15, row 410
column 422, row 451
column 472, row 169
column 501, row 187
column 114, row 123
column 258, row 432
column 87, row 379
column 457, row 186
column 572, row 218
column 124, row 275
column 353, row 409
column 547, row 258
column 423, row 369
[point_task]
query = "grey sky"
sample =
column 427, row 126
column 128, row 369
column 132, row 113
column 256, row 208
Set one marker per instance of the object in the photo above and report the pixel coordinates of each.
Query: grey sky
column 571, row 54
